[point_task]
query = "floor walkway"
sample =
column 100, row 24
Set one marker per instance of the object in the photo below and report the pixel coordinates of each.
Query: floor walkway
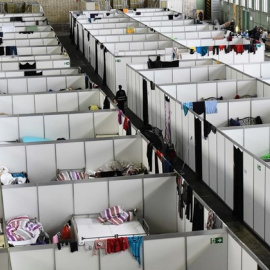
column 208, row 196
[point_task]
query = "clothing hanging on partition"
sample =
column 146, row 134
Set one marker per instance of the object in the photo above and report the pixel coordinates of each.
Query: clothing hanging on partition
column 188, row 200
column 96, row 56
column 27, row 66
column 2, row 51
column 198, row 146
column 179, row 188
column 11, row 50
column 150, row 155
column 32, row 73
column 167, row 135
column 238, row 196
column 156, row 164
column 104, row 71
column 198, row 216
column 135, row 244
column 199, row 107
column 145, row 103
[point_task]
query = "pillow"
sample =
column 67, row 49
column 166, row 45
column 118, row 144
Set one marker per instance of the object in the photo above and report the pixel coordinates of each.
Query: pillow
column 33, row 139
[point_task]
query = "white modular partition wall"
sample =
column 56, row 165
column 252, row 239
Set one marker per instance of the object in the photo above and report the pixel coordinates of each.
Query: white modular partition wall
column 6, row 26
column 82, row 23
column 30, row 42
column 217, row 149
column 34, row 28
column 203, row 81
column 107, row 32
column 26, row 35
column 70, row 155
column 10, row 15
column 258, row 70
column 80, row 33
column 142, row 192
column 35, row 50
column 50, row 102
column 42, row 62
column 116, row 64
column 122, row 53
column 175, row 251
column 228, row 58
column 36, row 17
column 44, row 72
column 72, row 125
column 178, row 26
column 33, row 84
column 253, row 141
column 74, row 15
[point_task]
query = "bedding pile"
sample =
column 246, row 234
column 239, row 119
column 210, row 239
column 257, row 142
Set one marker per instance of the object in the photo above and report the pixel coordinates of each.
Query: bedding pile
column 116, row 168
column 22, row 231
column 8, row 178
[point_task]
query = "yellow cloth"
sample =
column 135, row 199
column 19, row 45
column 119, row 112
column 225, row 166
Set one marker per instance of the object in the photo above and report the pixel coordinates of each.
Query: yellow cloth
column 93, row 107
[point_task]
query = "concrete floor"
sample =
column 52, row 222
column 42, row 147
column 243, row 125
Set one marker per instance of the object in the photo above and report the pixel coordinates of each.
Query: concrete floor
column 251, row 240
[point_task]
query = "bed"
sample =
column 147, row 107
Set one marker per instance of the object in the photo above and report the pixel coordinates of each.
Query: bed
column 88, row 228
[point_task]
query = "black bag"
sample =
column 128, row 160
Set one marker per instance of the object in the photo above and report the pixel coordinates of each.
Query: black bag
column 154, row 135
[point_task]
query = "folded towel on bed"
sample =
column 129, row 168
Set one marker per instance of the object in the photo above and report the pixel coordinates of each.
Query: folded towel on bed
column 115, row 215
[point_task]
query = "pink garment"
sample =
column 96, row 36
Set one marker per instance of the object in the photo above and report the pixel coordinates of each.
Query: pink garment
column 100, row 244
column 55, row 239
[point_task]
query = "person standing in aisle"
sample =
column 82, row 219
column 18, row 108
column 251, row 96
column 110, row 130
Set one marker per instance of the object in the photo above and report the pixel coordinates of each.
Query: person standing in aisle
column 121, row 98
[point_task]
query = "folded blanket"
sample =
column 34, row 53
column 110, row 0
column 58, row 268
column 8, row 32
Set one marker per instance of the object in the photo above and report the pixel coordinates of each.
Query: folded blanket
column 71, row 175
column 115, row 215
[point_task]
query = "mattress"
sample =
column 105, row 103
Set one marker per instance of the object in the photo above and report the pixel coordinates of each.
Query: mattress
column 92, row 229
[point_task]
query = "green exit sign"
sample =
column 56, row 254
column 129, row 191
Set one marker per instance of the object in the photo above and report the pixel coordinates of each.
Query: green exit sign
column 216, row 240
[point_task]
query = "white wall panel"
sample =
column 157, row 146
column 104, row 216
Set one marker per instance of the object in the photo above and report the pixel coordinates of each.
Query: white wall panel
column 93, row 149
column 234, row 254
column 11, row 130
column 56, row 126
column 55, row 204
column 90, row 198
column 154, row 189
column 127, row 193
column 81, row 126
column 67, row 102
column 42, row 259
column 248, row 263
column 83, row 259
column 41, row 168
column 23, row 104
column 203, row 255
column 160, row 254
column 9, row 154
column 257, row 140
column 267, row 205
column 31, row 126
column 229, row 183
column 70, row 155
column 45, row 103
column 259, row 198
column 20, row 201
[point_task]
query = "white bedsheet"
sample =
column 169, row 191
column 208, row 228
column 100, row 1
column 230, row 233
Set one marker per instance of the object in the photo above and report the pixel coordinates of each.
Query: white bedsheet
column 92, row 228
